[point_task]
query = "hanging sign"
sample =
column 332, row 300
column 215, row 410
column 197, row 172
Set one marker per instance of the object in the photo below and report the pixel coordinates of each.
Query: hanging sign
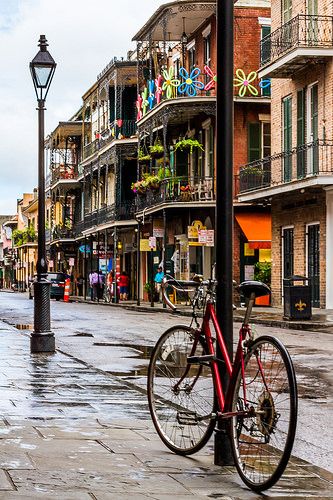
column 144, row 245
column 210, row 238
column 202, row 236
column 71, row 261
column 152, row 242
column 158, row 228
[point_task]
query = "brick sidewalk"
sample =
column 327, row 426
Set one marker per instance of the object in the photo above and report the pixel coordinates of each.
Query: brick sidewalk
column 69, row 431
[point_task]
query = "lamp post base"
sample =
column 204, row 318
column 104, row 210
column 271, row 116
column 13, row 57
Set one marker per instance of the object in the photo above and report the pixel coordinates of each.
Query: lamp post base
column 42, row 339
column 42, row 342
column 222, row 449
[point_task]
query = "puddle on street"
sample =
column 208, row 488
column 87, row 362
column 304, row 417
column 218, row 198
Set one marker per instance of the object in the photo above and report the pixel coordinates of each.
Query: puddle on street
column 144, row 351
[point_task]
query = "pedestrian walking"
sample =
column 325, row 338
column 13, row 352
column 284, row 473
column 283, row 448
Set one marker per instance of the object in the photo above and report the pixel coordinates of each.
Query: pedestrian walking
column 158, row 282
column 94, row 284
column 123, row 281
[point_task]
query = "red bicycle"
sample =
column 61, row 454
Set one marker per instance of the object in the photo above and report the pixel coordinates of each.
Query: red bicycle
column 186, row 398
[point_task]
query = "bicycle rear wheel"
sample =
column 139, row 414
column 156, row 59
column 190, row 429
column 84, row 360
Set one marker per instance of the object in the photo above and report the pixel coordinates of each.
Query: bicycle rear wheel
column 180, row 396
column 262, row 443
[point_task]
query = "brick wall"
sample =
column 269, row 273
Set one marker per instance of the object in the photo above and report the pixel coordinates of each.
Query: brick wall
column 297, row 210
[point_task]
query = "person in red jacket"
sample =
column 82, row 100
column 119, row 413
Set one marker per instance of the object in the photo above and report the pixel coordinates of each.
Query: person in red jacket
column 123, row 282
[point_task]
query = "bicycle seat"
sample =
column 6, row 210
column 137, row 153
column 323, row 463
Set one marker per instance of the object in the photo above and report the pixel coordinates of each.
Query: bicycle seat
column 257, row 287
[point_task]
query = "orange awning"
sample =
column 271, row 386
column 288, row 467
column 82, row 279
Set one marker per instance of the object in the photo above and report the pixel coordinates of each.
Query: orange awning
column 257, row 228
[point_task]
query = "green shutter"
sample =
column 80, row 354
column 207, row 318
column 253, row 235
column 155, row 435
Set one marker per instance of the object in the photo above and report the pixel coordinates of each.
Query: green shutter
column 287, row 138
column 254, row 142
column 314, row 127
column 300, row 133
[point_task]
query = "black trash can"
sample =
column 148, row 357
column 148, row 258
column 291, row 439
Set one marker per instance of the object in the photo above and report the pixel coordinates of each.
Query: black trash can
column 297, row 298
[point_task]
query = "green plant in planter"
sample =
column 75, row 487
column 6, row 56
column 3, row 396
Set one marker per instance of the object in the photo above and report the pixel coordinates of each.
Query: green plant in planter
column 190, row 144
column 157, row 150
column 263, row 272
column 143, row 157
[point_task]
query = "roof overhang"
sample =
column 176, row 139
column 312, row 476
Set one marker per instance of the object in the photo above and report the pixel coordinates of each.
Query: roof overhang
column 65, row 130
column 195, row 13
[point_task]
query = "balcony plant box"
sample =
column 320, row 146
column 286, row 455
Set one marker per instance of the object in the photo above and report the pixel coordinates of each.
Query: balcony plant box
column 263, row 272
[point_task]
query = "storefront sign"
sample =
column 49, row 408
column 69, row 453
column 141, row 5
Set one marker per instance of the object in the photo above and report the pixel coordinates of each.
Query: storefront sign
column 202, row 236
column 51, row 265
column 158, row 228
column 192, row 232
column 71, row 261
column 210, row 238
column 144, row 245
column 248, row 252
column 152, row 242
column 265, row 255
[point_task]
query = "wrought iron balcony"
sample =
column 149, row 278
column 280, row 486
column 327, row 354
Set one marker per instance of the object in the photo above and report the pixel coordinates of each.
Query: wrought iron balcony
column 61, row 171
column 119, row 129
column 291, row 46
column 302, row 162
column 178, row 190
column 109, row 213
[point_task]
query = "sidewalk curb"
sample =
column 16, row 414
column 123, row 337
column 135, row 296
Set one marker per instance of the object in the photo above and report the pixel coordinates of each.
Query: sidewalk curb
column 280, row 323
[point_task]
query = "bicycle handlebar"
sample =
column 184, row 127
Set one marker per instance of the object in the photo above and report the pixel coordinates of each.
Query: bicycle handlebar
column 182, row 286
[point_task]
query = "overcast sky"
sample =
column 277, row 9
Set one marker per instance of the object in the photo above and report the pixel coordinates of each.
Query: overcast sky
column 83, row 36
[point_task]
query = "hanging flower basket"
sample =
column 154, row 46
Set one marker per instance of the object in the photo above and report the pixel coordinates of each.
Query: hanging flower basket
column 143, row 157
column 188, row 144
column 157, row 150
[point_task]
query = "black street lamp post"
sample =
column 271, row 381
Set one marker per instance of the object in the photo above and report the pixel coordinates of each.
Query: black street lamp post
column 42, row 69
column 224, row 199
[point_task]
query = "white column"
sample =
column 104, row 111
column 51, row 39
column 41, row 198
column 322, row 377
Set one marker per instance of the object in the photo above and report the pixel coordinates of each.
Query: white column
column 329, row 248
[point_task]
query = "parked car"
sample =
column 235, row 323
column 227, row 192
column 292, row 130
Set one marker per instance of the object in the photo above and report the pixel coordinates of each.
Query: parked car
column 57, row 287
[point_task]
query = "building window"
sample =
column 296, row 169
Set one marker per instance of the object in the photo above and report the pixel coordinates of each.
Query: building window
column 287, row 8
column 191, row 58
column 207, row 54
column 254, row 141
column 265, row 52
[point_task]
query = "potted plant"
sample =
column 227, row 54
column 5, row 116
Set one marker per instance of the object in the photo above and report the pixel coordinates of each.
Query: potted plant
column 188, row 144
column 149, row 288
column 153, row 182
column 143, row 157
column 263, row 273
column 157, row 150
column 139, row 187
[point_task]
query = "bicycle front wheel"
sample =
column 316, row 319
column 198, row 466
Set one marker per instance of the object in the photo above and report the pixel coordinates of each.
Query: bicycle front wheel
column 180, row 396
column 262, row 442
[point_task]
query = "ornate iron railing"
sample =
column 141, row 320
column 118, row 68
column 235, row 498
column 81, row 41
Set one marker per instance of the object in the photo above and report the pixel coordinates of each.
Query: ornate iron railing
column 178, row 189
column 305, row 161
column 301, row 31
column 119, row 129
column 61, row 171
column 109, row 213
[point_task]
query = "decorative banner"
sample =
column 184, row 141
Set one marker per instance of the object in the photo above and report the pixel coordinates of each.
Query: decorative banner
column 145, row 102
column 151, row 93
column 158, row 86
column 211, row 84
column 170, row 83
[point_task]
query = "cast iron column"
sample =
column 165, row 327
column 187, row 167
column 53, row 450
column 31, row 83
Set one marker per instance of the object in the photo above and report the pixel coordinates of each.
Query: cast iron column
column 42, row 339
column 224, row 199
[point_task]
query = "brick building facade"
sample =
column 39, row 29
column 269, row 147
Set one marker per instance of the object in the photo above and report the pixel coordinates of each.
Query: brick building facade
column 297, row 178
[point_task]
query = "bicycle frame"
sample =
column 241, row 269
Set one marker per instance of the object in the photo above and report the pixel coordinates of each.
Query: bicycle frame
column 224, row 400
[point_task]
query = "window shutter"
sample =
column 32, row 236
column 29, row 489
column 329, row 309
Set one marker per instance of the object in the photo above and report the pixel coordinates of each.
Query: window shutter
column 254, row 142
column 301, row 133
